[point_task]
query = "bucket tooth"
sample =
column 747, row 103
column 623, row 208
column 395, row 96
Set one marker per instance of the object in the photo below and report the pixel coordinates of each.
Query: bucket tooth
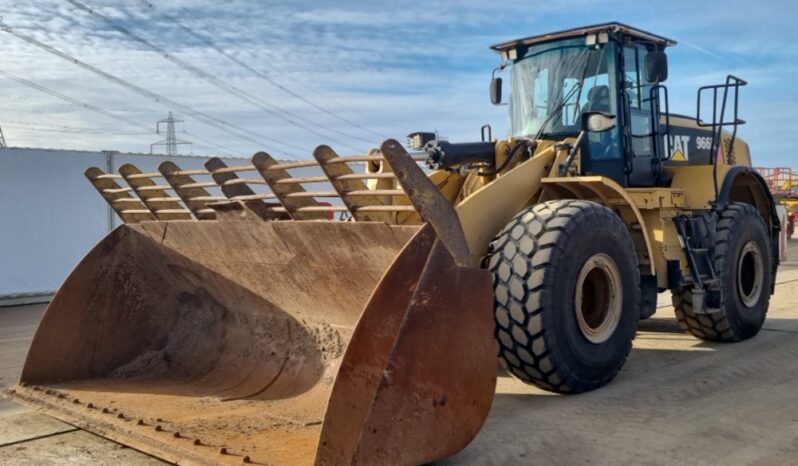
column 129, row 208
column 326, row 156
column 237, row 190
column 193, row 195
column 265, row 163
column 155, row 197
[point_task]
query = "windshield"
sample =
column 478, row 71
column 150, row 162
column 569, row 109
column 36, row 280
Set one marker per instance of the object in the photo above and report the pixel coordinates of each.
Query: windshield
column 552, row 83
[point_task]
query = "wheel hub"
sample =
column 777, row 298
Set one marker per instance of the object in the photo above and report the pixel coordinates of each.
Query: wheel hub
column 598, row 298
column 750, row 274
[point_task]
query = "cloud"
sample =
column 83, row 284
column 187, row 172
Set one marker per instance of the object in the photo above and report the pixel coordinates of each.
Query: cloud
column 391, row 67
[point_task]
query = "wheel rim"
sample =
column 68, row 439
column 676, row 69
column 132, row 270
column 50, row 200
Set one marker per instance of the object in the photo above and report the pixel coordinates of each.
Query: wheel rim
column 750, row 274
column 598, row 298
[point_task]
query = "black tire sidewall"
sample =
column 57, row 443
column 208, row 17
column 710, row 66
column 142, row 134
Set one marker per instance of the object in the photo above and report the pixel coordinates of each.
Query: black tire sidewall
column 576, row 354
column 746, row 321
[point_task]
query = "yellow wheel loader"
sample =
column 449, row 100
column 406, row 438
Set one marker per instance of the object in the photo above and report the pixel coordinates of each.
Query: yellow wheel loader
column 231, row 320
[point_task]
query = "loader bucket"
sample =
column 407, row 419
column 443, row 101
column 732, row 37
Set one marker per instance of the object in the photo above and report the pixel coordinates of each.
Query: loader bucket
column 280, row 342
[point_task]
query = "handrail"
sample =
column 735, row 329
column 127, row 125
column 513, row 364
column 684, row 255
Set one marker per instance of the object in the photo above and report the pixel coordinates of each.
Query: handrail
column 718, row 119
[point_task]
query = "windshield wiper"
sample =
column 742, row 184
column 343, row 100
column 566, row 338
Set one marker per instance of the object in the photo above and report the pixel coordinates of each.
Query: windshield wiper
column 564, row 100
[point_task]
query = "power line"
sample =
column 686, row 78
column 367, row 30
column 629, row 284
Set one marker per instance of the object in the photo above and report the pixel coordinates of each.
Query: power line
column 219, row 83
column 209, row 27
column 20, row 98
column 71, row 100
column 209, row 143
column 209, row 120
column 58, row 127
column 99, row 110
column 72, row 129
column 256, row 72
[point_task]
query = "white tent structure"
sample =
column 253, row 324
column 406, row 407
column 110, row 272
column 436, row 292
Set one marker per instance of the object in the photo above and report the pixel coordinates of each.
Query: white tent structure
column 52, row 215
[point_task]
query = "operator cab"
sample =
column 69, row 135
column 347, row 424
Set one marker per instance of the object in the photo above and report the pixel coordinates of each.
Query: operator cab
column 610, row 68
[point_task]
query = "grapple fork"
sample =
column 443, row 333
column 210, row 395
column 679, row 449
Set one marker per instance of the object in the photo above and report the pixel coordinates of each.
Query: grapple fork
column 278, row 341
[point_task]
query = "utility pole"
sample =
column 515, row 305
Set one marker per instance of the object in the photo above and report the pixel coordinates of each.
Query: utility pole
column 171, row 142
column 2, row 139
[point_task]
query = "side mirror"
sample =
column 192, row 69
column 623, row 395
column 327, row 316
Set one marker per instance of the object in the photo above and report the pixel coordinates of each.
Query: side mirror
column 656, row 66
column 597, row 122
column 496, row 91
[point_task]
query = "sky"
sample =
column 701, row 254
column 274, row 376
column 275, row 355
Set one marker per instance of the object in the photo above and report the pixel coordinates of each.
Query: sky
column 285, row 76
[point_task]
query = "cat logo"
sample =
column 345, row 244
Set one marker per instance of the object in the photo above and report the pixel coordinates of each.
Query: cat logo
column 678, row 155
column 679, row 145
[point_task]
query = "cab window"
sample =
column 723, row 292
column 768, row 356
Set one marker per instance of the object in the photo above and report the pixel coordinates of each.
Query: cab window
column 637, row 92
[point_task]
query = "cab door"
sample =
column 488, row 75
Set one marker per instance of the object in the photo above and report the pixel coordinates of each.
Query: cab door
column 642, row 166
column 602, row 153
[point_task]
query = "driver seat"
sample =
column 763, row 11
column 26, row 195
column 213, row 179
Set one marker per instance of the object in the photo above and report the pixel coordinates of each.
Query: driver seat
column 598, row 99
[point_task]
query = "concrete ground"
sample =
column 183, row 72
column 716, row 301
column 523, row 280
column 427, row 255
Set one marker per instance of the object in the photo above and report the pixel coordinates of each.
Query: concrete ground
column 678, row 400
column 30, row 438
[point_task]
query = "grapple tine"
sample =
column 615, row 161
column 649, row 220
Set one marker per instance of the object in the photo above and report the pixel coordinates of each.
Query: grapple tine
column 224, row 178
column 127, row 207
column 324, row 155
column 156, row 200
column 265, row 165
column 195, row 198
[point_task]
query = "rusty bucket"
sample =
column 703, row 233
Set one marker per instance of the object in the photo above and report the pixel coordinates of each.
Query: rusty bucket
column 287, row 342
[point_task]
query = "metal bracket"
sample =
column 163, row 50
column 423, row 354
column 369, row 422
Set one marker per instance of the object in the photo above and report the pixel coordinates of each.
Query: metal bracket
column 429, row 202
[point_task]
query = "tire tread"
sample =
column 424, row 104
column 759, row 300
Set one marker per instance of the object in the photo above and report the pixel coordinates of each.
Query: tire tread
column 714, row 326
column 549, row 225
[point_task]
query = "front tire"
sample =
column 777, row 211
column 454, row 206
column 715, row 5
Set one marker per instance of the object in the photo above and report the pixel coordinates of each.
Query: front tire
column 567, row 295
column 744, row 266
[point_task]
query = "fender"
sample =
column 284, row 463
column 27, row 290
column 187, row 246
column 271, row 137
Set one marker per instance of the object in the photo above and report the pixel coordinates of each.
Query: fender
column 610, row 193
column 745, row 184
column 485, row 212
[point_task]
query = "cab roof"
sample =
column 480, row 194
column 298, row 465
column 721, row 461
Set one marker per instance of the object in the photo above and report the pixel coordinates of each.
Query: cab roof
column 614, row 27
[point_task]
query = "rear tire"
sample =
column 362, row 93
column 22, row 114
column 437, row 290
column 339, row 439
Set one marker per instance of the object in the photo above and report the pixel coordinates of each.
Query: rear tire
column 567, row 295
column 743, row 263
